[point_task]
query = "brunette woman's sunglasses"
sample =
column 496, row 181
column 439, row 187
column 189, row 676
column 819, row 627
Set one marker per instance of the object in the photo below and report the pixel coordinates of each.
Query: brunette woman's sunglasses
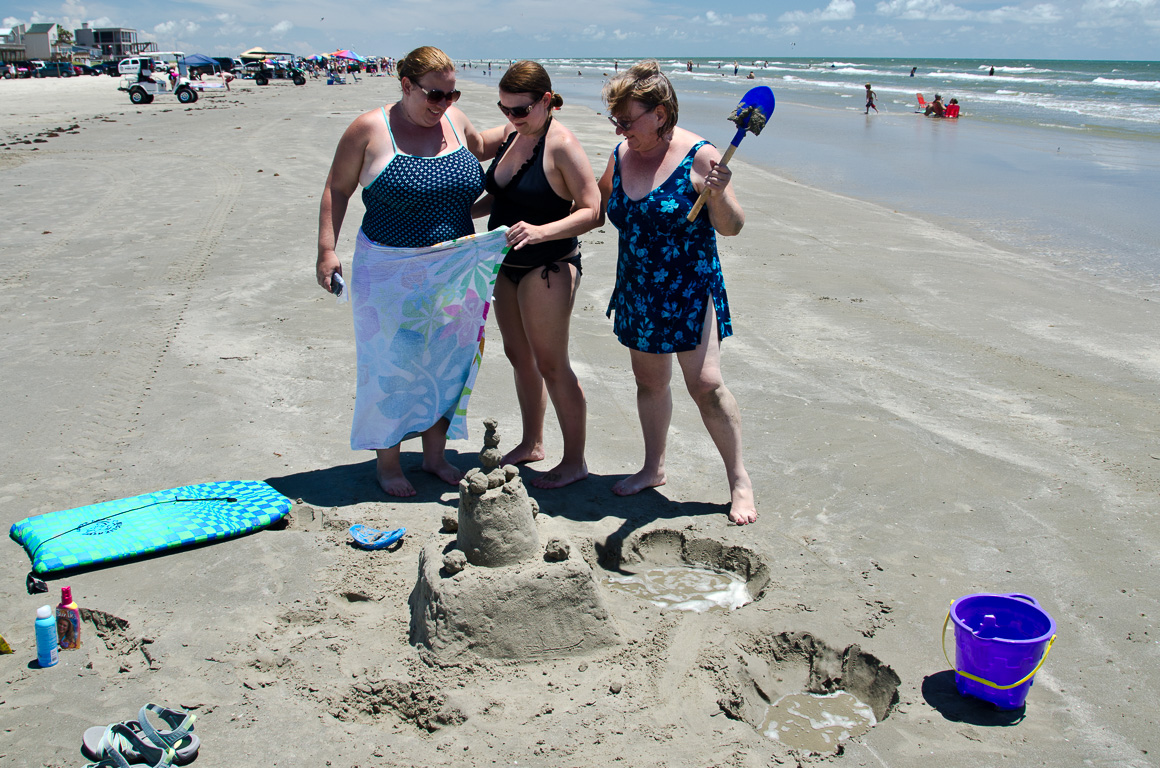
column 517, row 112
column 434, row 96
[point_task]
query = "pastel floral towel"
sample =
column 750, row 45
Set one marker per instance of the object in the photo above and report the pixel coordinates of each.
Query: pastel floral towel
column 419, row 315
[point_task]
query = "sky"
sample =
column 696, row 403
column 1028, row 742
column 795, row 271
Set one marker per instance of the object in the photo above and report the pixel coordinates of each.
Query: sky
column 631, row 29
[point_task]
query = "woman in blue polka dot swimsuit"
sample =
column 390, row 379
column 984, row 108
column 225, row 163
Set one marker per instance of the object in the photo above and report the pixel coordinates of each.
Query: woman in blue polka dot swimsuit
column 417, row 163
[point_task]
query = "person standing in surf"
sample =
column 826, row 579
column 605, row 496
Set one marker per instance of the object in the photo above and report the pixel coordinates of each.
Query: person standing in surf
column 541, row 186
column 669, row 299
column 417, row 161
column 870, row 97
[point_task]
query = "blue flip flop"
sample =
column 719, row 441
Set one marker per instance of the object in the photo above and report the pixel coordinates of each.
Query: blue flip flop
column 370, row 538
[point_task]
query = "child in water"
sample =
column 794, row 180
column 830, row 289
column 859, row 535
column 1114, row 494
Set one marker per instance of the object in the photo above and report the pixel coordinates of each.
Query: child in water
column 870, row 96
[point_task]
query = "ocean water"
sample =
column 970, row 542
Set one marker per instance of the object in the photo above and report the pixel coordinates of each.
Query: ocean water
column 1060, row 159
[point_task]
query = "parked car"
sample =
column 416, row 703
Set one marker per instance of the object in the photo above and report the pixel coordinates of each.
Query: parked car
column 85, row 69
column 55, row 69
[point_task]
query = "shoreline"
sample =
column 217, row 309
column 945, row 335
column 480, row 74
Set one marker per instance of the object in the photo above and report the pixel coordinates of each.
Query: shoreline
column 917, row 430
column 1021, row 185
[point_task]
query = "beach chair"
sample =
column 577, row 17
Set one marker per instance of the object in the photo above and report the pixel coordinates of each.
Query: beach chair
column 952, row 110
column 921, row 103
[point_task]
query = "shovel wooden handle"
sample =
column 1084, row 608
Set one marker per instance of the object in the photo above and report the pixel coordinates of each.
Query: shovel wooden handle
column 706, row 191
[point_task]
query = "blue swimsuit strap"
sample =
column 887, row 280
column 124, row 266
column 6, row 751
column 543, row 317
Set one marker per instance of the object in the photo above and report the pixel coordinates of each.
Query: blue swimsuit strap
column 395, row 146
column 390, row 133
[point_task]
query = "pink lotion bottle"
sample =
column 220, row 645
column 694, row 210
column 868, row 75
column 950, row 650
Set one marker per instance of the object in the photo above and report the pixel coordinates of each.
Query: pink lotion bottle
column 68, row 621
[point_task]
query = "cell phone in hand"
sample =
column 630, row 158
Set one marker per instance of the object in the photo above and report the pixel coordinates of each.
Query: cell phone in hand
column 336, row 284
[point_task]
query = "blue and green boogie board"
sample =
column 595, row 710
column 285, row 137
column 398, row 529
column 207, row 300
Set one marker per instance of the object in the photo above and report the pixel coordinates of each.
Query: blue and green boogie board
column 147, row 524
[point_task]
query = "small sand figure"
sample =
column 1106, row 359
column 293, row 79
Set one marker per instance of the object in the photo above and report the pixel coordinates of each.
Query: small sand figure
column 490, row 456
column 496, row 518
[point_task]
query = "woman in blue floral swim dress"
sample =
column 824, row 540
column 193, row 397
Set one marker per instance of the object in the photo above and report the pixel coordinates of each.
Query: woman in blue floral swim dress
column 670, row 297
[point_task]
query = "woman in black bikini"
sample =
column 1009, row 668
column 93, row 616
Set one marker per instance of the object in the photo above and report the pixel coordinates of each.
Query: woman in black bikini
column 542, row 187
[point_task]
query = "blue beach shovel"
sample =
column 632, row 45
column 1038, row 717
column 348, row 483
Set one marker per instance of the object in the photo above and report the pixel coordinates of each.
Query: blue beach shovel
column 755, row 108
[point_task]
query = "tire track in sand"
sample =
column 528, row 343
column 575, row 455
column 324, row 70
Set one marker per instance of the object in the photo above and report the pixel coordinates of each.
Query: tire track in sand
column 143, row 337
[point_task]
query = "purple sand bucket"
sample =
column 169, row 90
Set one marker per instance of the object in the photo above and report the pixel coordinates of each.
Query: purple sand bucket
column 1001, row 641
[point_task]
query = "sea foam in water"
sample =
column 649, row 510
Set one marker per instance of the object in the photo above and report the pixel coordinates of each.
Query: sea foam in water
column 684, row 588
column 817, row 722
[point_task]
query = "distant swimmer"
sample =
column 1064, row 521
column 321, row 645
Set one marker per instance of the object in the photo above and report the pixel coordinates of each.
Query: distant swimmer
column 912, row 70
column 992, row 72
column 749, row 76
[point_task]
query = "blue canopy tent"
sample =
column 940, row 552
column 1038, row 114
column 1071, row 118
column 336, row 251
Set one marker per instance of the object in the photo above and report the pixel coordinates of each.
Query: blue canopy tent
column 201, row 60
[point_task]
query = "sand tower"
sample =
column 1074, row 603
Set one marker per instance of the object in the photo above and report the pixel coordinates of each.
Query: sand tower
column 493, row 589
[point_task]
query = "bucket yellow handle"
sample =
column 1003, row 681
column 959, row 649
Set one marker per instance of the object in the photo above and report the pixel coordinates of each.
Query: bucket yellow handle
column 988, row 683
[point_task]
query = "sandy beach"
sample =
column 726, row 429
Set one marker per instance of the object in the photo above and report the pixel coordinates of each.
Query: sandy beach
column 925, row 417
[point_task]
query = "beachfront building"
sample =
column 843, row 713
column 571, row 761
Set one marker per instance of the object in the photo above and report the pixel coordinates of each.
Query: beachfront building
column 12, row 43
column 115, row 43
column 40, row 42
column 84, row 49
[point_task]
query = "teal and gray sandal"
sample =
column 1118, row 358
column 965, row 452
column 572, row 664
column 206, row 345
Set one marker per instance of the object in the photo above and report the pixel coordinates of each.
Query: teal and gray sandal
column 119, row 746
column 140, row 742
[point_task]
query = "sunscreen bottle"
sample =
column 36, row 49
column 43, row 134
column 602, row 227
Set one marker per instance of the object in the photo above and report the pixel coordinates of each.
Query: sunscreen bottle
column 68, row 621
column 46, row 655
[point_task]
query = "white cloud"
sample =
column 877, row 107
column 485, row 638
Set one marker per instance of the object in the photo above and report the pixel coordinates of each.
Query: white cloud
column 501, row 30
column 281, row 28
column 758, row 17
column 176, row 28
column 592, row 32
column 1116, row 6
column 938, row 10
column 1043, row 13
column 837, row 10
column 714, row 19
column 922, row 10
column 228, row 25
column 1101, row 14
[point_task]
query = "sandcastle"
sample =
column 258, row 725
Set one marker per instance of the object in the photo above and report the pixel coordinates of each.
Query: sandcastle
column 494, row 590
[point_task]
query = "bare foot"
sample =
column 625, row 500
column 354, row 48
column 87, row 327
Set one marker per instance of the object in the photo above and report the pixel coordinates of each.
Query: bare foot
column 394, row 482
column 445, row 471
column 561, row 475
column 524, row 453
column 638, row 482
column 743, row 509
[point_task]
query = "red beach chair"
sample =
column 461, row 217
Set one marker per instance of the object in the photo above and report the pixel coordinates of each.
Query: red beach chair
column 921, row 103
column 952, row 110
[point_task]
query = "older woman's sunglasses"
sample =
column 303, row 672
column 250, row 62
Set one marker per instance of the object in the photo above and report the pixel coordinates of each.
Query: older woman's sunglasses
column 517, row 112
column 434, row 96
column 626, row 125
